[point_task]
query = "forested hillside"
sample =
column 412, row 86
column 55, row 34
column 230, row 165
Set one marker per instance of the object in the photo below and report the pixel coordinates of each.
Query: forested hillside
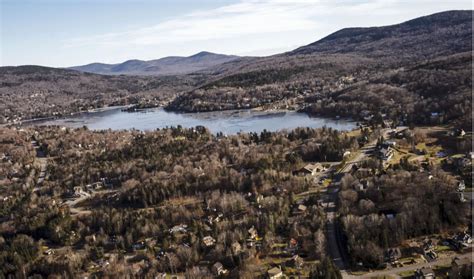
column 421, row 65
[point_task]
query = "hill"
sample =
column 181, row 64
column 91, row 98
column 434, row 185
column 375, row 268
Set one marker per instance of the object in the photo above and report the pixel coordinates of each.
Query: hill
column 172, row 65
column 33, row 91
column 422, row 65
column 421, row 38
column 336, row 75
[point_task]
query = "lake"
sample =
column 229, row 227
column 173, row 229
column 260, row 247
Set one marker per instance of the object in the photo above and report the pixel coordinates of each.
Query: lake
column 227, row 122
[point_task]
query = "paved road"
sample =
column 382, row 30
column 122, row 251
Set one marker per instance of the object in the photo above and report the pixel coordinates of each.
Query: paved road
column 43, row 162
column 335, row 249
column 393, row 272
column 335, row 246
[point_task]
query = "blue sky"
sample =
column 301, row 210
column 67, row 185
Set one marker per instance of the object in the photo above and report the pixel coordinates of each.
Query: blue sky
column 73, row 32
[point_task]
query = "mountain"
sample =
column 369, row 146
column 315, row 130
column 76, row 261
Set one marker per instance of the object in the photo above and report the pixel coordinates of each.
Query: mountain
column 425, row 37
column 172, row 65
column 404, row 71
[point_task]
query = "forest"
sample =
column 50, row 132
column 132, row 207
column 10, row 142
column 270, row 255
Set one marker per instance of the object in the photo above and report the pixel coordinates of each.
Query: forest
column 153, row 197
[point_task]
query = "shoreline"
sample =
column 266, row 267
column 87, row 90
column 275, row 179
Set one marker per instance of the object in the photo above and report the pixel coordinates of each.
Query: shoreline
column 80, row 119
column 72, row 114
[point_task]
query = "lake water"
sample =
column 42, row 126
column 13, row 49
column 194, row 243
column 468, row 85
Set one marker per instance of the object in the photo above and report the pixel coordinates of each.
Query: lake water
column 227, row 122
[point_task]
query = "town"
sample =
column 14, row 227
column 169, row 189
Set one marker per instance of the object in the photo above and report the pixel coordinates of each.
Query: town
column 295, row 211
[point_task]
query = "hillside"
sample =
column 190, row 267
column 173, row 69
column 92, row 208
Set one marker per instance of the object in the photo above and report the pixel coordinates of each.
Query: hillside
column 338, row 73
column 172, row 65
column 343, row 74
column 421, row 38
column 33, row 91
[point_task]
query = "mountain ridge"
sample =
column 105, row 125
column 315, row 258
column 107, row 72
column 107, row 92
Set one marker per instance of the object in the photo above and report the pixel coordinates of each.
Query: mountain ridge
column 443, row 31
column 170, row 65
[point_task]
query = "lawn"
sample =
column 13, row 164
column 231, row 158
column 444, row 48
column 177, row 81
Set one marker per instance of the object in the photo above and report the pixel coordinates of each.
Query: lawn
column 441, row 248
column 407, row 274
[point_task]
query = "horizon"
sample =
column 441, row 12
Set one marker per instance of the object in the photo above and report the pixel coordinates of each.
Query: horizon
column 78, row 32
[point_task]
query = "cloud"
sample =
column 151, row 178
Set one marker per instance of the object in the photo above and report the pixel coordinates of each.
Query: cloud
column 243, row 18
column 252, row 25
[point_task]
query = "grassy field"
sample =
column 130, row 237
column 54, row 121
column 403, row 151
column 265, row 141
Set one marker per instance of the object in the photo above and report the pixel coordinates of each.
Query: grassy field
column 407, row 274
column 441, row 248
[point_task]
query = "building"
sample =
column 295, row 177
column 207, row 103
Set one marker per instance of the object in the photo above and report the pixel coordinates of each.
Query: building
column 236, row 247
column 275, row 273
column 362, row 185
column 208, row 241
column 218, row 269
column 179, row 228
column 296, row 261
column 292, row 246
column 252, row 233
column 310, row 169
column 424, row 273
column 462, row 239
column 302, row 208
column 363, row 172
column 385, row 153
column 392, row 254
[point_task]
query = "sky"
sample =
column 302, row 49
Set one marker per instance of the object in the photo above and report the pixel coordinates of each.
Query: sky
column 62, row 33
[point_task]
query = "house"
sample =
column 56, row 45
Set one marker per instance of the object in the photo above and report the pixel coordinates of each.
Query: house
column 462, row 239
column 399, row 132
column 179, row 228
column 388, row 123
column 208, row 241
column 385, row 153
column 424, row 273
column 48, row 252
column 310, row 169
column 139, row 245
column 431, row 255
column 80, row 192
column 301, row 208
column 361, row 186
column 389, row 214
column 457, row 133
column 292, row 245
column 461, row 186
column 236, row 247
column 363, row 172
column 252, row 233
column 275, row 273
column 428, row 245
column 392, row 254
column 462, row 162
column 436, row 116
column 218, row 269
column 296, row 261
column 389, row 143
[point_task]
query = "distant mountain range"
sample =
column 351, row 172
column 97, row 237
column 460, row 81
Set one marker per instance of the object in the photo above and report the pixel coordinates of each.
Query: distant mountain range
column 172, row 65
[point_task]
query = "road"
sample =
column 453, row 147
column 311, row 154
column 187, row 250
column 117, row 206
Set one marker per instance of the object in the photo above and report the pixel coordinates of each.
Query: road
column 393, row 272
column 43, row 163
column 335, row 245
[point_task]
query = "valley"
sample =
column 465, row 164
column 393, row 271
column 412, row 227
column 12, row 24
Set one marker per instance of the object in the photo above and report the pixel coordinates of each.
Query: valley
column 350, row 157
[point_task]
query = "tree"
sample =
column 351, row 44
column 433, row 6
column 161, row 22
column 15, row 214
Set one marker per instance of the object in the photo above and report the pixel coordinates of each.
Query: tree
column 325, row 270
